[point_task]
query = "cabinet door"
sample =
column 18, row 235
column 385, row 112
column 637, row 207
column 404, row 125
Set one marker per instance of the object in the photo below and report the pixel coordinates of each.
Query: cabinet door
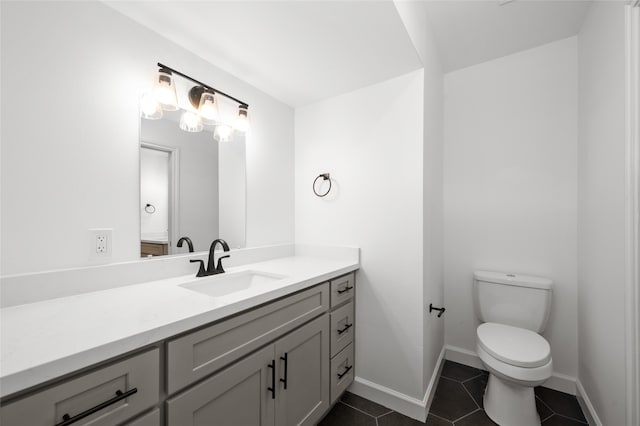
column 303, row 363
column 237, row 395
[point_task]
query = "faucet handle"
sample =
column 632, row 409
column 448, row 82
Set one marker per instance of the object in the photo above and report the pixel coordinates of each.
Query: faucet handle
column 201, row 271
column 219, row 268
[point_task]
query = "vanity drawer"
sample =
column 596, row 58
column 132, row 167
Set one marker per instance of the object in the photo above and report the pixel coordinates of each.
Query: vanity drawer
column 196, row 355
column 342, row 321
column 341, row 372
column 137, row 377
column 342, row 289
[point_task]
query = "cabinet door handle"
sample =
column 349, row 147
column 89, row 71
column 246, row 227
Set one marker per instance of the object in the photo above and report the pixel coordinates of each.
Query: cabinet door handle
column 346, row 327
column 344, row 290
column 67, row 419
column 346, row 370
column 272, row 366
column 285, row 359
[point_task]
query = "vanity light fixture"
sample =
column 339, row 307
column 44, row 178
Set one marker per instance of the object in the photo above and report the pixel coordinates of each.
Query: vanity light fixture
column 165, row 90
column 241, row 123
column 208, row 108
column 150, row 108
column 191, row 122
column 222, row 132
column 204, row 100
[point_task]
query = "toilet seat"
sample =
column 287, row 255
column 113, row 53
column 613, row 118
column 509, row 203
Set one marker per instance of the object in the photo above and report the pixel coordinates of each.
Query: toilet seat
column 515, row 354
column 524, row 376
column 513, row 345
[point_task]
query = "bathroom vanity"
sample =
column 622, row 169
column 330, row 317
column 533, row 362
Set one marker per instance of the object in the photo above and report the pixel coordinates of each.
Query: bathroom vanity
column 275, row 348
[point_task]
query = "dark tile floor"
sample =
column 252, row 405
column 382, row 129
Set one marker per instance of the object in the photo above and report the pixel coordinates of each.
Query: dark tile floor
column 457, row 401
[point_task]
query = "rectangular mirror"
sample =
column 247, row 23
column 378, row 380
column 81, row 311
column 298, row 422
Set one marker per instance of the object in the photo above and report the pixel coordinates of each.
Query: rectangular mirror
column 191, row 186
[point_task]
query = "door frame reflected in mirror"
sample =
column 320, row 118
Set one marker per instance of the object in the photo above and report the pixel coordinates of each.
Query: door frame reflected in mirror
column 173, row 212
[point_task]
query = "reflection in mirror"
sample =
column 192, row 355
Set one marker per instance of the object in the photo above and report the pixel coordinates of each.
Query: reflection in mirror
column 191, row 185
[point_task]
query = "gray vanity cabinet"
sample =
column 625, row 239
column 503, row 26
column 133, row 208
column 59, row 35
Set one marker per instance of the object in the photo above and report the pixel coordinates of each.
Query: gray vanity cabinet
column 304, row 366
column 283, row 363
column 238, row 395
column 252, row 391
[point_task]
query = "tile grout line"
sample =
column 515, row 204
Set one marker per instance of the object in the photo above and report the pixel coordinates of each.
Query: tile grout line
column 363, row 412
column 546, row 405
column 437, row 416
column 451, row 380
column 466, row 415
column 471, row 396
column 384, row 414
column 570, row 418
column 471, row 378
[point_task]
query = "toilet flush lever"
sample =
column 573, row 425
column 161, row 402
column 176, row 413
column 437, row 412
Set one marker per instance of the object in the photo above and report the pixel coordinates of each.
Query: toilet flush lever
column 441, row 310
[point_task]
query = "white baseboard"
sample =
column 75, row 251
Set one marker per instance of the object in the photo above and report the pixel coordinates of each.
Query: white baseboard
column 587, row 408
column 463, row 356
column 433, row 383
column 558, row 381
column 397, row 401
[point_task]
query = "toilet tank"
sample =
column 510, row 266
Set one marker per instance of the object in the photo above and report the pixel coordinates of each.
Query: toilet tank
column 512, row 299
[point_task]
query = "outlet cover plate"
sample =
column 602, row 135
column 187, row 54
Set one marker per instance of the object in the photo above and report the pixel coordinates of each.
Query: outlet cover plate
column 100, row 243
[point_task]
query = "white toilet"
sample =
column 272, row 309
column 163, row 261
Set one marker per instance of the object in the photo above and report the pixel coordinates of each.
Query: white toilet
column 513, row 309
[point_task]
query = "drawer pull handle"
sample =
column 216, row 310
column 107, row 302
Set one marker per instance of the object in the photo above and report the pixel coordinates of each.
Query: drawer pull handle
column 344, row 373
column 344, row 290
column 346, row 327
column 272, row 389
column 67, row 419
column 285, row 359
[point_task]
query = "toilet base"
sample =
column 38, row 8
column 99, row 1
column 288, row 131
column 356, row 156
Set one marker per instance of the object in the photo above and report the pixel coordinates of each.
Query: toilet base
column 510, row 404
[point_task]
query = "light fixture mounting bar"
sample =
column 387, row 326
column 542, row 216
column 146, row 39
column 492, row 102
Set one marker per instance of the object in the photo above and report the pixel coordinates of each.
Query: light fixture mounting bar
column 219, row 92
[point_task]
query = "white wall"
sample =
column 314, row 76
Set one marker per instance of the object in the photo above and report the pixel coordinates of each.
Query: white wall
column 72, row 73
column 510, row 185
column 371, row 142
column 416, row 21
column 601, row 213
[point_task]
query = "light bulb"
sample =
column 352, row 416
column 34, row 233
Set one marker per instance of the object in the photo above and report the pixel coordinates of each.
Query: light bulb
column 222, row 132
column 165, row 91
column 208, row 108
column 191, row 122
column 241, row 122
column 149, row 107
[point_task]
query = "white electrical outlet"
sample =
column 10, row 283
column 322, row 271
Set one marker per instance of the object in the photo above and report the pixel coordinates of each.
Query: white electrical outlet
column 101, row 244
column 100, row 241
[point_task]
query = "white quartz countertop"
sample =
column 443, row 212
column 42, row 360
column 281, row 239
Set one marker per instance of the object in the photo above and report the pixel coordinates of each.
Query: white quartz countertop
column 47, row 339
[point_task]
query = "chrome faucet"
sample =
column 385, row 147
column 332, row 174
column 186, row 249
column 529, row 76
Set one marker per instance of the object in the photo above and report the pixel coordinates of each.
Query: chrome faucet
column 211, row 270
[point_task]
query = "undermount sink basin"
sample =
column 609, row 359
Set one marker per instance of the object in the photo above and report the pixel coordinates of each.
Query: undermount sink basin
column 228, row 283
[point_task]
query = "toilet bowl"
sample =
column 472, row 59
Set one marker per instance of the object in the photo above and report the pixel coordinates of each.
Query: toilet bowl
column 517, row 360
column 514, row 308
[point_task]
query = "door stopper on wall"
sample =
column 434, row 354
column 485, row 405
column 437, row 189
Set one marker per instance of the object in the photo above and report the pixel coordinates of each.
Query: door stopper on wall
column 441, row 310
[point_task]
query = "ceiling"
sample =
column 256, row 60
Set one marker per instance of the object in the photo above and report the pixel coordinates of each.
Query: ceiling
column 302, row 51
column 297, row 51
column 471, row 32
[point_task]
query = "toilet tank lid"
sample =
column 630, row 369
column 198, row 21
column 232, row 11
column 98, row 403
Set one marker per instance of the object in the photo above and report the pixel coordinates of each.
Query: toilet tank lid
column 514, row 279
